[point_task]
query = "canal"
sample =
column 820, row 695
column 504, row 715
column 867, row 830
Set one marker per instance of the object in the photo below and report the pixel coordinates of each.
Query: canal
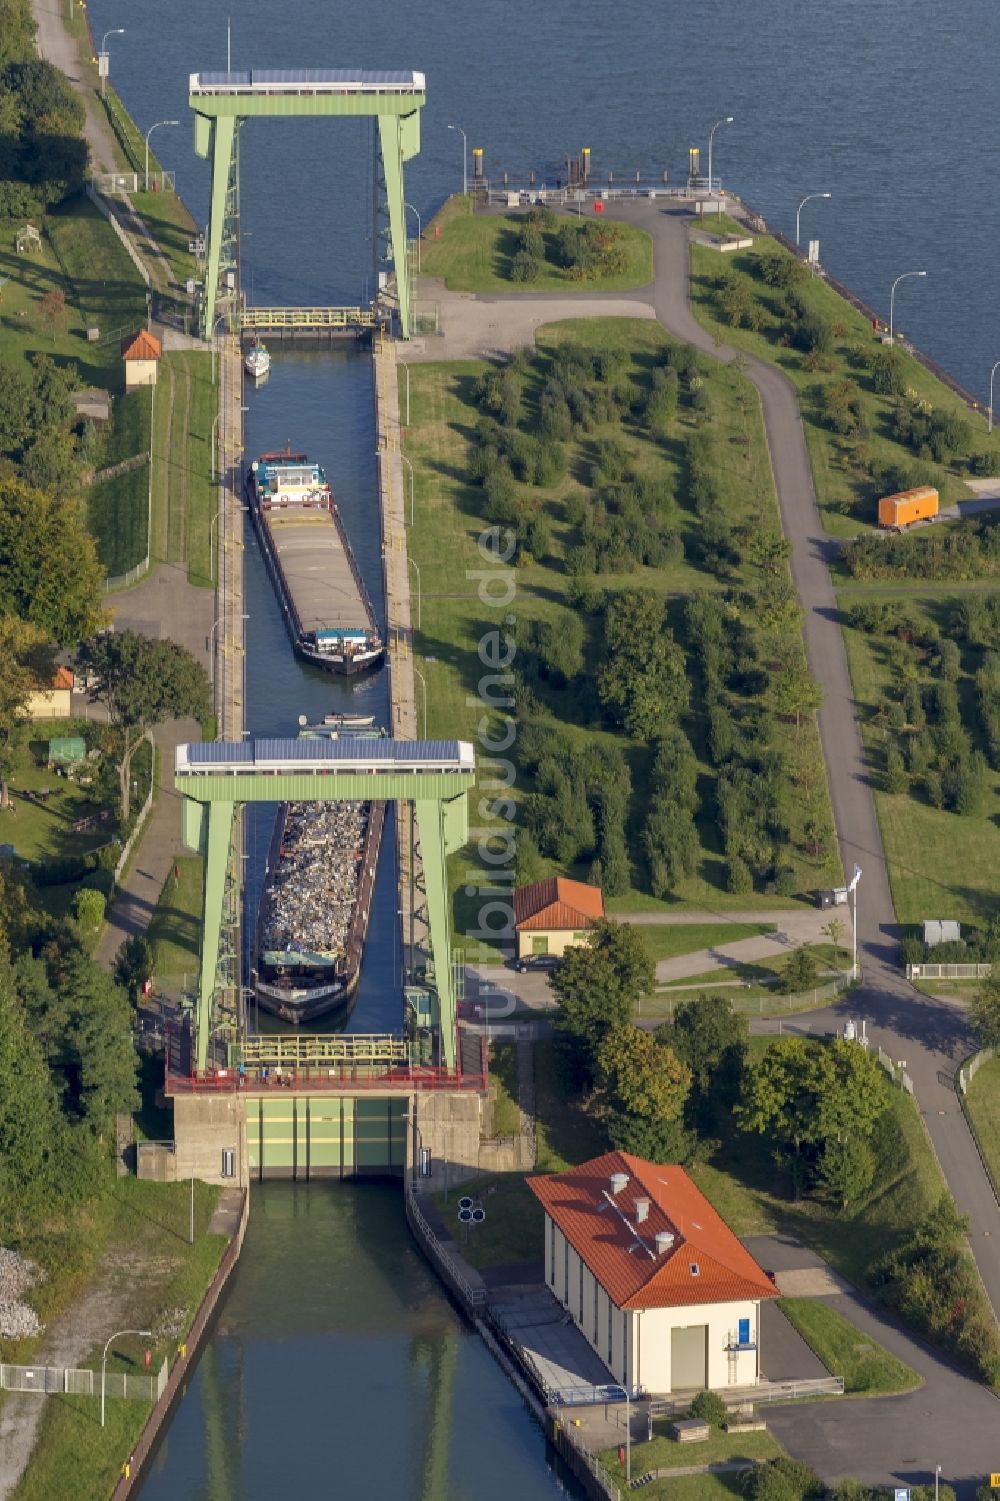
column 338, row 1369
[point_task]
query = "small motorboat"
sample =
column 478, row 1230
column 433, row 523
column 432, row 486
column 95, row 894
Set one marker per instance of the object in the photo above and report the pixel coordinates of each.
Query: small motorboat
column 257, row 361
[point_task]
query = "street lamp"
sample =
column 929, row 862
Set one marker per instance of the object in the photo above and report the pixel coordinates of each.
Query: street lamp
column 416, row 570
column 103, row 59
column 937, row 1479
column 410, row 468
column 211, row 645
column 711, row 134
column 465, row 159
column 802, row 205
column 423, row 682
column 892, row 298
column 149, row 132
column 406, row 372
column 993, row 372
column 144, row 1333
column 417, row 217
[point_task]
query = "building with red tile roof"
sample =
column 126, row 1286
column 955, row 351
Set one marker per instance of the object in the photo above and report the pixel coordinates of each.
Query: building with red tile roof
column 652, row 1276
column 141, row 352
column 550, row 916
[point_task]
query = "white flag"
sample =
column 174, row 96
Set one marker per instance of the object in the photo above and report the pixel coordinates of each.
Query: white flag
column 855, row 878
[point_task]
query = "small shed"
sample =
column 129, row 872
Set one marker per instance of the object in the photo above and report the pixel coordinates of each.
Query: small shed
column 55, row 701
column 550, row 916
column 28, row 240
column 141, row 352
column 939, row 931
column 67, row 750
column 92, row 405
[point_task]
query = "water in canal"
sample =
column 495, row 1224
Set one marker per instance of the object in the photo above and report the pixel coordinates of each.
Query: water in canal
column 338, row 1367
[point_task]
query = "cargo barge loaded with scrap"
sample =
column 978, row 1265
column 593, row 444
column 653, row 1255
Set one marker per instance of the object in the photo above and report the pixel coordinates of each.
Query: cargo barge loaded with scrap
column 312, row 920
column 326, row 605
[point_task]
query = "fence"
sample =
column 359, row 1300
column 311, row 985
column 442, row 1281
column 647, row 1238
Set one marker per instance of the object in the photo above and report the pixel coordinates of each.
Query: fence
column 971, row 1067
column 449, row 1267
column 118, row 581
column 774, row 1004
column 57, row 1380
column 143, row 812
column 585, row 1466
column 949, row 971
column 764, row 1391
column 130, row 182
column 112, row 219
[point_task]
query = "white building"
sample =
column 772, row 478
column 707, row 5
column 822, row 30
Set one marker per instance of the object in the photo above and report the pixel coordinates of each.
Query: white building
column 655, row 1280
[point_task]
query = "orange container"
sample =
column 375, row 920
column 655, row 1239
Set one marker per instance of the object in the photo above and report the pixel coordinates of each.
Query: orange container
column 908, row 506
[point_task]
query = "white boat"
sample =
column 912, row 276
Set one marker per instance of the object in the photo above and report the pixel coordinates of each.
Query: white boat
column 257, row 361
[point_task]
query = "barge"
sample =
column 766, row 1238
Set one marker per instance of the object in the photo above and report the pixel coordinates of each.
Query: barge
column 312, row 920
column 327, row 610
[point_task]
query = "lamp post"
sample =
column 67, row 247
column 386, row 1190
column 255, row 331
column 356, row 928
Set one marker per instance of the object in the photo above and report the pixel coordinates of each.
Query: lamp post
column 144, row 1333
column 798, row 211
column 215, row 430
column 416, row 570
column 406, row 372
column 465, row 159
column 628, row 1437
column 211, row 645
column 419, row 231
column 149, row 132
column 423, row 684
column 410, row 468
column 728, row 120
column 103, row 57
column 993, row 372
column 892, row 299
column 937, row 1480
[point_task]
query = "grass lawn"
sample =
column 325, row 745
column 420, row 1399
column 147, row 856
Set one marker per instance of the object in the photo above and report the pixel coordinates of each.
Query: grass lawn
column 176, row 923
column 475, row 250
column 674, row 939
column 104, row 284
column 455, row 620
column 866, row 1367
column 939, row 863
column 118, row 517
column 845, row 492
column 42, row 831
column 665, row 1453
column 184, row 497
column 513, row 1229
column 753, row 1195
column 983, row 1105
column 503, row 1089
column 156, row 1281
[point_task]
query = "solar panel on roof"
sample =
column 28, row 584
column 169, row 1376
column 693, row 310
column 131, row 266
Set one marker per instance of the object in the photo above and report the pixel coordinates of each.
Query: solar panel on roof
column 370, row 78
column 391, row 752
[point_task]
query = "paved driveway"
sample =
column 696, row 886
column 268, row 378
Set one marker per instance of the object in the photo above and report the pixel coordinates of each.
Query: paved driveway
column 951, row 1420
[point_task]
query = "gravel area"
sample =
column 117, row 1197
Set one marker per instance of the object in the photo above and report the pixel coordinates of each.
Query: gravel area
column 17, row 1319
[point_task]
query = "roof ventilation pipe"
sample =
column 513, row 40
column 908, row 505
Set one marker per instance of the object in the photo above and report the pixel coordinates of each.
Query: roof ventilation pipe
column 619, row 1182
column 664, row 1240
column 641, row 1210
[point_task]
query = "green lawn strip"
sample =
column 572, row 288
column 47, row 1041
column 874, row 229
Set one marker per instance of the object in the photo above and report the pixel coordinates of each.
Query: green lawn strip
column 475, row 250
column 720, row 226
column 691, row 1487
column 982, row 1102
column 176, row 923
column 103, row 282
column 503, row 1089
column 41, row 831
column 867, row 1368
column 513, row 1229
column 762, row 974
column 845, row 492
column 129, row 433
column 665, row 1453
column 184, row 497
column 454, row 619
column 158, row 1282
column 940, row 864
column 118, row 518
column 671, row 940
column 751, row 1195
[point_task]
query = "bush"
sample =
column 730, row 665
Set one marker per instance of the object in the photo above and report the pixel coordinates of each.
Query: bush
column 709, row 1408
column 524, row 266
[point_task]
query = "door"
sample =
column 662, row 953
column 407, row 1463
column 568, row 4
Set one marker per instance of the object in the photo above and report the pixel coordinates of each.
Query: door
column 689, row 1358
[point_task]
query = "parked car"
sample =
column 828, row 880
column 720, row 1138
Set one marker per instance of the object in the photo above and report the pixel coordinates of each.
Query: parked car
column 536, row 961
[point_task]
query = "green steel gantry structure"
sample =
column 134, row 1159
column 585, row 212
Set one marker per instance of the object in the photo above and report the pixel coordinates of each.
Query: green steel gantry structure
column 222, row 101
column 217, row 777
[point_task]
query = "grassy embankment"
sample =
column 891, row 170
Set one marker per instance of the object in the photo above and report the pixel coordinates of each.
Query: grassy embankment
column 867, row 1368
column 454, row 620
column 176, row 924
column 940, row 863
column 983, row 1105
column 475, row 251
column 130, row 1249
column 844, row 490
column 666, row 1453
column 184, row 497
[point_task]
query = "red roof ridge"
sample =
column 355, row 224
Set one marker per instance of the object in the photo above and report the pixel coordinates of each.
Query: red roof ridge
column 142, row 345
column 564, row 902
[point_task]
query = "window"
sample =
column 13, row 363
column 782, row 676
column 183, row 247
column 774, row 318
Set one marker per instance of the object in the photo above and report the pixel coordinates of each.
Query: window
column 552, row 1253
column 540, row 945
column 743, row 1332
column 695, row 1269
column 566, row 1272
column 595, row 1310
column 228, row 1163
column 611, row 1325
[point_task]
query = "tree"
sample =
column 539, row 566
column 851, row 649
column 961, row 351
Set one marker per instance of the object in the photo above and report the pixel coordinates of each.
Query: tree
column 846, row 1170
column 29, row 1119
column 49, row 572
column 597, row 986
column 984, row 1012
column 52, row 308
column 709, row 1037
column 644, row 1086
column 642, row 682
column 88, row 906
column 26, row 660
column 801, row 972
column 834, row 930
column 135, row 964
column 142, row 682
column 97, row 1049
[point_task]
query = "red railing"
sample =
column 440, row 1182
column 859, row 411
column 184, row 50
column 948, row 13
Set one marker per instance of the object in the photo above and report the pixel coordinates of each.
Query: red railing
column 315, row 1081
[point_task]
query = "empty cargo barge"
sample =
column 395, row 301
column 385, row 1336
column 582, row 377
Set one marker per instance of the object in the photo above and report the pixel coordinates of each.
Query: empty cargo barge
column 325, row 603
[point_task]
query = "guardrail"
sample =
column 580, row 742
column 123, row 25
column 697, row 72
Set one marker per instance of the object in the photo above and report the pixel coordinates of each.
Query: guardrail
column 277, row 318
column 963, row 1079
column 949, row 971
column 57, row 1380
column 472, row 1297
column 764, row 1391
column 320, row 1080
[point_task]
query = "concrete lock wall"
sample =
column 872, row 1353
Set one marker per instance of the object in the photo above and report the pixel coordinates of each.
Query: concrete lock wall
column 444, row 1136
column 210, row 1139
